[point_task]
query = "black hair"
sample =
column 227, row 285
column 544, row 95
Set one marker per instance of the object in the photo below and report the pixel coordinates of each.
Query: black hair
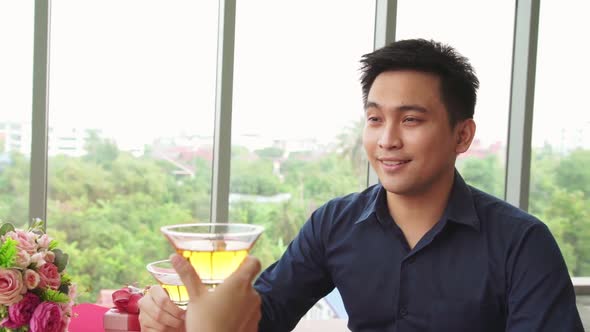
column 459, row 83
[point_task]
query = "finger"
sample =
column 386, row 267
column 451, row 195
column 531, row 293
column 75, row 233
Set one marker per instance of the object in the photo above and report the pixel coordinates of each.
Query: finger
column 156, row 308
column 148, row 323
column 164, row 329
column 162, row 300
column 188, row 275
column 248, row 269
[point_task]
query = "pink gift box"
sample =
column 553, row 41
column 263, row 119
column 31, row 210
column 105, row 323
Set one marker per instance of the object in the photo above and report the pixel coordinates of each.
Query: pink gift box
column 118, row 321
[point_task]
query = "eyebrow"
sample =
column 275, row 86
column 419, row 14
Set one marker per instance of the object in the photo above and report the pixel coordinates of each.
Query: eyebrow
column 402, row 108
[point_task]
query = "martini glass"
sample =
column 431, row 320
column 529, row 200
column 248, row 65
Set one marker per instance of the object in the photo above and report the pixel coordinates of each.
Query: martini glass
column 164, row 273
column 215, row 250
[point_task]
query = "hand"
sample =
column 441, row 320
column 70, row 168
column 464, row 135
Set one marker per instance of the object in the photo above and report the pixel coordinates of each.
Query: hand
column 158, row 313
column 234, row 306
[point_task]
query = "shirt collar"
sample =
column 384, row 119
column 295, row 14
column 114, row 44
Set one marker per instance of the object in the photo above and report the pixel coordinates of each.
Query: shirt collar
column 460, row 208
column 377, row 202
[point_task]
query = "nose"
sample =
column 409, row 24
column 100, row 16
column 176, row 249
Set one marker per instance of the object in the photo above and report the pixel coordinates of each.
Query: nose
column 390, row 139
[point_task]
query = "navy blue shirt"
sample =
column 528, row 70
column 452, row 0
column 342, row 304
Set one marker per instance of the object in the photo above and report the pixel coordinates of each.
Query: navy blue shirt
column 485, row 266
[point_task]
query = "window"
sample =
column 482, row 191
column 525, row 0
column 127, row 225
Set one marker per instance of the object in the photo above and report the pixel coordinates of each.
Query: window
column 560, row 161
column 16, row 66
column 484, row 36
column 131, row 110
column 297, row 113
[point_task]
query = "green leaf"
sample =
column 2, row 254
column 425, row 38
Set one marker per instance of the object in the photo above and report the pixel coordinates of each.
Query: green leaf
column 37, row 226
column 7, row 227
column 66, row 279
column 54, row 296
column 53, row 244
column 8, row 253
column 61, row 259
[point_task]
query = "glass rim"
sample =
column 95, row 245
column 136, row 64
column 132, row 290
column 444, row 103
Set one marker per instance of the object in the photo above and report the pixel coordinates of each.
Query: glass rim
column 256, row 229
column 150, row 267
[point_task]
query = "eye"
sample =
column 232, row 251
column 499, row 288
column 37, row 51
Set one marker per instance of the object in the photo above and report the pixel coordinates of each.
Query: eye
column 373, row 119
column 411, row 120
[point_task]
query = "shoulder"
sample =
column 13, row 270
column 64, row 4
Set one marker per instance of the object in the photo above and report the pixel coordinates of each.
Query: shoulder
column 511, row 230
column 497, row 214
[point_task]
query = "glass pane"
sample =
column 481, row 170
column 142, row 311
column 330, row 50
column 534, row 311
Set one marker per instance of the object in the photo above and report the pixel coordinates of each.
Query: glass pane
column 560, row 163
column 484, row 36
column 16, row 86
column 297, row 116
column 132, row 94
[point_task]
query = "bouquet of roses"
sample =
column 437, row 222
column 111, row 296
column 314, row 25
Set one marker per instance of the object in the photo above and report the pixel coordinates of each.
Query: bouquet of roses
column 35, row 292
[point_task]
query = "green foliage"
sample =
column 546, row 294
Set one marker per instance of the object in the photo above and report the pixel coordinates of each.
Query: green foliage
column 573, row 172
column 14, row 189
column 8, row 253
column 53, row 244
column 559, row 197
column 100, row 151
column 54, row 296
column 61, row 259
column 486, row 174
column 270, row 153
column 254, row 177
column 7, row 227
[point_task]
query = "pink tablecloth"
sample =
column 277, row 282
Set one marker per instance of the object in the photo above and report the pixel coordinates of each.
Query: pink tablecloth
column 87, row 318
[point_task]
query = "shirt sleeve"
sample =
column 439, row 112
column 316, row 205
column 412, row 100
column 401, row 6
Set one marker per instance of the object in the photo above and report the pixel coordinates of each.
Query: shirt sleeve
column 292, row 285
column 540, row 292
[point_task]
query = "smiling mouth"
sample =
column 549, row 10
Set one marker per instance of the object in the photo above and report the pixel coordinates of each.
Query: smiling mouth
column 394, row 163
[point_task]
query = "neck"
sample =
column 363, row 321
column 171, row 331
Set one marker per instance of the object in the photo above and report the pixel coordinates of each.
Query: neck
column 421, row 210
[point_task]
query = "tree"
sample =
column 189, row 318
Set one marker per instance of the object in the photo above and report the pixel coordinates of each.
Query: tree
column 254, row 177
column 99, row 150
column 270, row 153
column 350, row 144
column 568, row 217
column 14, row 189
column 484, row 173
column 573, row 172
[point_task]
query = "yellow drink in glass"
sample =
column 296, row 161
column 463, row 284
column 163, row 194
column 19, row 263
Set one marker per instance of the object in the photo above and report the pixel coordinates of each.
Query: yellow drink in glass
column 214, row 250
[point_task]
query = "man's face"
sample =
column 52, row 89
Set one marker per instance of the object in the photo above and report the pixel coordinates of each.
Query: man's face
column 407, row 135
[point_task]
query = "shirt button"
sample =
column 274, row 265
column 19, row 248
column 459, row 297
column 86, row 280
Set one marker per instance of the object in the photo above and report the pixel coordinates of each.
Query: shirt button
column 403, row 311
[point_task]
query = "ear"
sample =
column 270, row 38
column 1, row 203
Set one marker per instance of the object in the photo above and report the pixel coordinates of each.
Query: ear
column 464, row 133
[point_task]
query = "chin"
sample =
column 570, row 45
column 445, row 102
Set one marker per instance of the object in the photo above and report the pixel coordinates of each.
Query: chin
column 395, row 187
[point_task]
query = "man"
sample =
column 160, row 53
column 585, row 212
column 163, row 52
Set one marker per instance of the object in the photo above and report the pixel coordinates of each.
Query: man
column 422, row 250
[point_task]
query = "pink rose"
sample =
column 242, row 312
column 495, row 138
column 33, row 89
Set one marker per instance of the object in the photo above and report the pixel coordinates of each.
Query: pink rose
column 11, row 286
column 47, row 317
column 38, row 259
column 65, row 322
column 50, row 256
column 23, row 259
column 43, row 241
column 25, row 240
column 20, row 313
column 32, row 279
column 49, row 276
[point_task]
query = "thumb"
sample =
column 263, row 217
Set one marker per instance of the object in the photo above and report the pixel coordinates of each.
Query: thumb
column 188, row 275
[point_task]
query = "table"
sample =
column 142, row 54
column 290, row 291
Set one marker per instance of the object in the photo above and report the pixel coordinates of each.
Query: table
column 88, row 318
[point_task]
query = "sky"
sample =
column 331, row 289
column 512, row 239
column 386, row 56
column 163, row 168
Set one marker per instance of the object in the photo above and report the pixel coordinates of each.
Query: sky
column 141, row 69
